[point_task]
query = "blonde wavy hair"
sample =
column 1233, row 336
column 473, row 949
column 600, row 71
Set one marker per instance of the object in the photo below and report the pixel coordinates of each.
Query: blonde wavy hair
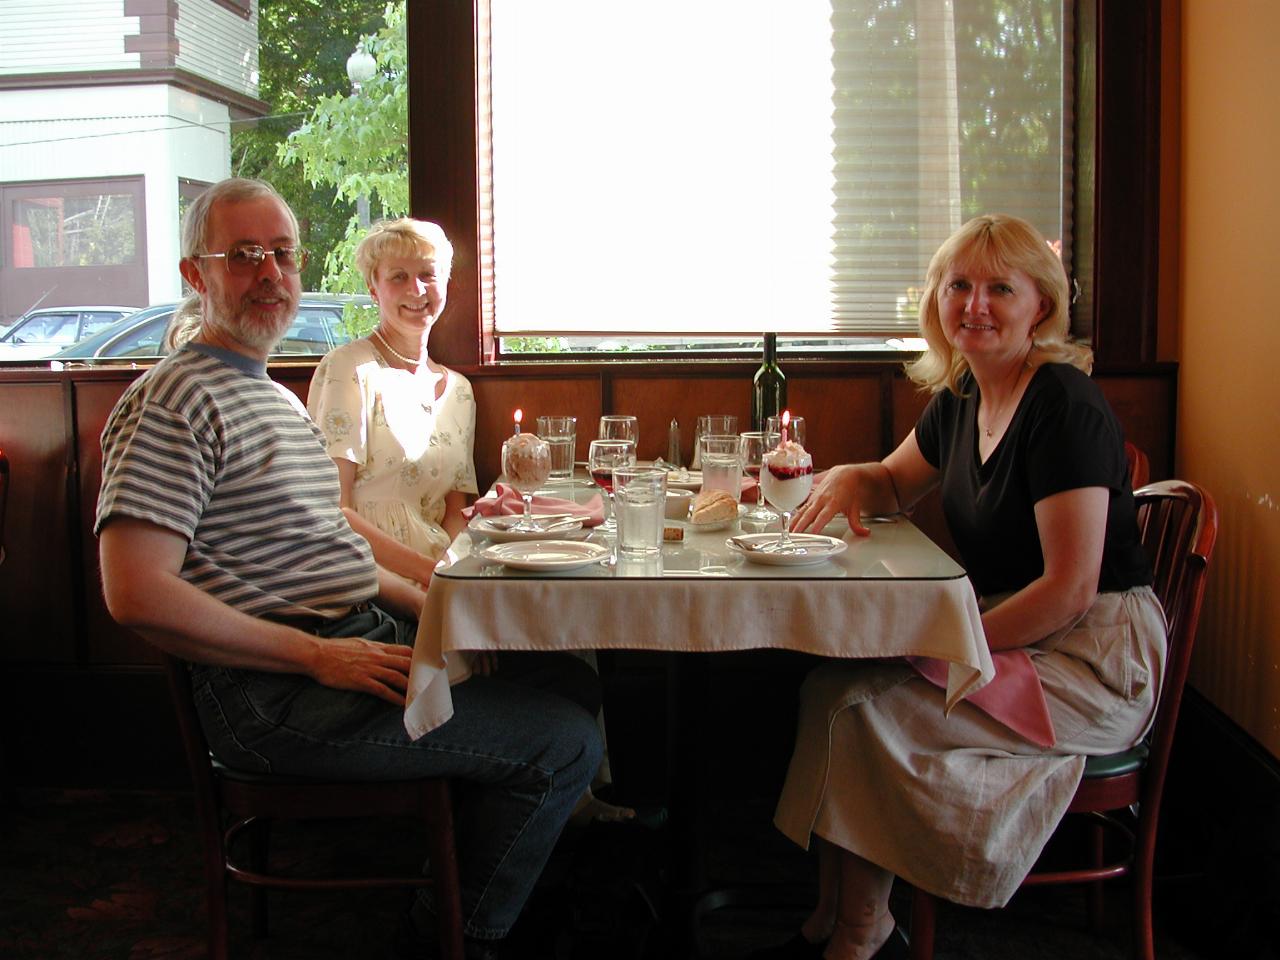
column 998, row 242
column 404, row 237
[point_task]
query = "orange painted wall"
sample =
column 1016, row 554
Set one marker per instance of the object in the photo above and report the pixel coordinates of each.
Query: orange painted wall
column 1229, row 341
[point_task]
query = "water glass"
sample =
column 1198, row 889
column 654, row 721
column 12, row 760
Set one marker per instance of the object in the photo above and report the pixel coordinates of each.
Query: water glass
column 795, row 430
column 619, row 426
column 561, row 434
column 721, row 458
column 640, row 501
column 711, row 425
column 717, row 425
column 755, row 444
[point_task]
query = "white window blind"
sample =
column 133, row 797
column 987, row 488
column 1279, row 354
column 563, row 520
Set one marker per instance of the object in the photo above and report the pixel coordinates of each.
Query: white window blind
column 732, row 166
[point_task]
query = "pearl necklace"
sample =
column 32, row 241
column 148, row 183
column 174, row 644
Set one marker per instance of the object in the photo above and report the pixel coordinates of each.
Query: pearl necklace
column 415, row 361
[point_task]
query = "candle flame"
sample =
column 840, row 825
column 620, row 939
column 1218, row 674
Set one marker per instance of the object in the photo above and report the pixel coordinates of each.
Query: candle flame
column 519, row 414
column 786, row 418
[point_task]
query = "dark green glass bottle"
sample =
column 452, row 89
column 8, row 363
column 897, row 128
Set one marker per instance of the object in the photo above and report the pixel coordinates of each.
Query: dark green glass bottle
column 769, row 387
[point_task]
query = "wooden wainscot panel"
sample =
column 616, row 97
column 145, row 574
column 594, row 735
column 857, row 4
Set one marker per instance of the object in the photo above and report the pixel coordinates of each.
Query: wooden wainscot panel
column 106, row 640
column 656, row 399
column 842, row 416
column 1146, row 405
column 38, row 579
column 556, row 394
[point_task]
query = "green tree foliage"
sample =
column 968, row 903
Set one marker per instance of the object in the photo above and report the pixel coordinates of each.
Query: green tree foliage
column 358, row 145
column 302, row 57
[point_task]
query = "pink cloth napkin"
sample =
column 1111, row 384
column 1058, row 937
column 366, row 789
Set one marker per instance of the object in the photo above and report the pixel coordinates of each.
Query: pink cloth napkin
column 1014, row 696
column 507, row 502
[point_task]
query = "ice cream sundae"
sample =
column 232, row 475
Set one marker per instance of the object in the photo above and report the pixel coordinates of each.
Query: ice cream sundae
column 526, row 460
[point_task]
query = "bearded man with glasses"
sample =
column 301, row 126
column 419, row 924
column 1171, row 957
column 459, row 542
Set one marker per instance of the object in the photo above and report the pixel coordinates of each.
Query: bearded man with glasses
column 222, row 541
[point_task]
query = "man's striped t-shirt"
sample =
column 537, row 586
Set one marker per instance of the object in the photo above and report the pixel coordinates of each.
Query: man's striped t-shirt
column 205, row 444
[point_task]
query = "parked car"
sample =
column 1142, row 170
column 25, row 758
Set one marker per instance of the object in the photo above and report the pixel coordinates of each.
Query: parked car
column 43, row 332
column 317, row 329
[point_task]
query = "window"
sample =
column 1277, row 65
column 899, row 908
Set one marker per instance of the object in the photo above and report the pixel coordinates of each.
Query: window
column 735, row 166
column 60, row 231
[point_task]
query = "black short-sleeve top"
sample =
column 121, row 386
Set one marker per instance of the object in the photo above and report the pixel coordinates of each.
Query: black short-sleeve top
column 1063, row 436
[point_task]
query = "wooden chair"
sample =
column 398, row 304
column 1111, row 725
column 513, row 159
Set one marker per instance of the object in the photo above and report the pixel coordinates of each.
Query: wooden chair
column 248, row 802
column 1178, row 523
column 1139, row 465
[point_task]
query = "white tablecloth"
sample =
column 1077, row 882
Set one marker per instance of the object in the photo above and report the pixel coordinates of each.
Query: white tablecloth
column 894, row 593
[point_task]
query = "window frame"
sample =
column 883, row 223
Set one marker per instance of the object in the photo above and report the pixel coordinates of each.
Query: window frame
column 1116, row 188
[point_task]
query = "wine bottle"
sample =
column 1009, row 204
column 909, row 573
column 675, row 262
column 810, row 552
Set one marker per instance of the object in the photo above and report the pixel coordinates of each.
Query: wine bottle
column 769, row 387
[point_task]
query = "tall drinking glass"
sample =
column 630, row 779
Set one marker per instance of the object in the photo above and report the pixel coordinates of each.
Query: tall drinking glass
column 755, row 444
column 561, row 434
column 603, row 456
column 711, row 425
column 795, row 430
column 786, row 479
column 722, row 464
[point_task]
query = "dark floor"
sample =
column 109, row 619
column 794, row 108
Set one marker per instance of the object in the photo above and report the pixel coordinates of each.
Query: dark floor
column 88, row 875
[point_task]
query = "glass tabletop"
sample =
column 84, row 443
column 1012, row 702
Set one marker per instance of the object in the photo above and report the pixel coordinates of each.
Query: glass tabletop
column 895, row 550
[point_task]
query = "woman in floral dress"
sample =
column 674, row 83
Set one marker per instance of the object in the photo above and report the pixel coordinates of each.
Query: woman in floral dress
column 400, row 426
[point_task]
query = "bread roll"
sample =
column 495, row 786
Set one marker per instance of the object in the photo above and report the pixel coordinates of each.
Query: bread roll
column 711, row 506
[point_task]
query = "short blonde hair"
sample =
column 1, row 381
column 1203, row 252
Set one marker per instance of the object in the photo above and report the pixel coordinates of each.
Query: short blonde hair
column 1001, row 242
column 404, row 237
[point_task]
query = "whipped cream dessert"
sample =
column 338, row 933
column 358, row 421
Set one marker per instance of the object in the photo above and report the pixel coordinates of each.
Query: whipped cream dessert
column 526, row 460
column 786, row 475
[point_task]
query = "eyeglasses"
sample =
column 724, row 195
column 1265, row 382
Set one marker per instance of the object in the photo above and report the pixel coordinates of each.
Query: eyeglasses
column 244, row 259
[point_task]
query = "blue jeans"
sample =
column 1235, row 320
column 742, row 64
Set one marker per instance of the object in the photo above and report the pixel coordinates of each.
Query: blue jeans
column 521, row 748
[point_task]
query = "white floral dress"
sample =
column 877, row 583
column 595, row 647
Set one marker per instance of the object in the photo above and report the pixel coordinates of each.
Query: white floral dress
column 410, row 448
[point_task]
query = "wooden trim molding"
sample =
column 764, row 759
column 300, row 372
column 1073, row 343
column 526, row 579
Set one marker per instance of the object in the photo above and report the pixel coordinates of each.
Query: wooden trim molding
column 242, row 106
column 1124, row 192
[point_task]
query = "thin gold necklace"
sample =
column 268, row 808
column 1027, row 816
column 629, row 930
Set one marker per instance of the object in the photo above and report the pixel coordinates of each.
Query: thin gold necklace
column 995, row 418
column 415, row 361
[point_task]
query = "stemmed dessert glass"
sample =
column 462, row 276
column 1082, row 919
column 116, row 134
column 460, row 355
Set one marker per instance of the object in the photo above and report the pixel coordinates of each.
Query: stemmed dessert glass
column 755, row 444
column 619, row 426
column 786, row 479
column 526, row 462
column 602, row 457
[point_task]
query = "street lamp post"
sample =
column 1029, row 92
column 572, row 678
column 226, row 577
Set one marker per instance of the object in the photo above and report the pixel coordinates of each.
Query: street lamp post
column 360, row 70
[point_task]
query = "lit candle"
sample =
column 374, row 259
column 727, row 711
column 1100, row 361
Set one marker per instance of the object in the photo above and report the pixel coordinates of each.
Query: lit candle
column 786, row 422
column 519, row 417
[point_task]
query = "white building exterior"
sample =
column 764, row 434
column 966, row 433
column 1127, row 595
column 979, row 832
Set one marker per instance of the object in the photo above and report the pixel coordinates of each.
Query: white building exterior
column 103, row 100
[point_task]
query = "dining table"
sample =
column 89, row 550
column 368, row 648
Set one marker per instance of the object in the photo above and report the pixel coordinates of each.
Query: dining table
column 891, row 593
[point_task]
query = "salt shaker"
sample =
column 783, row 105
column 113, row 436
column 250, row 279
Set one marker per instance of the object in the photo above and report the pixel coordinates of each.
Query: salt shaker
column 673, row 443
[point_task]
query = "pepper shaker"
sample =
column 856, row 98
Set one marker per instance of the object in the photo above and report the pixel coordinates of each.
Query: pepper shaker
column 673, row 443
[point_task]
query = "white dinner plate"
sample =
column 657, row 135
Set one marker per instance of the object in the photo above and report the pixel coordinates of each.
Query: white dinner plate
column 546, row 554
column 497, row 529
column 817, row 548
column 691, row 480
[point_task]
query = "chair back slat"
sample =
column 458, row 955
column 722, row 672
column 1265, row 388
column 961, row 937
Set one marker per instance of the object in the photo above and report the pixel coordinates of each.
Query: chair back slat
column 1178, row 525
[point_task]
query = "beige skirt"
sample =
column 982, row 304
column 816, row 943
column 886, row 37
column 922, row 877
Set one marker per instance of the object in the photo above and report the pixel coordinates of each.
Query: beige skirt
column 960, row 805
